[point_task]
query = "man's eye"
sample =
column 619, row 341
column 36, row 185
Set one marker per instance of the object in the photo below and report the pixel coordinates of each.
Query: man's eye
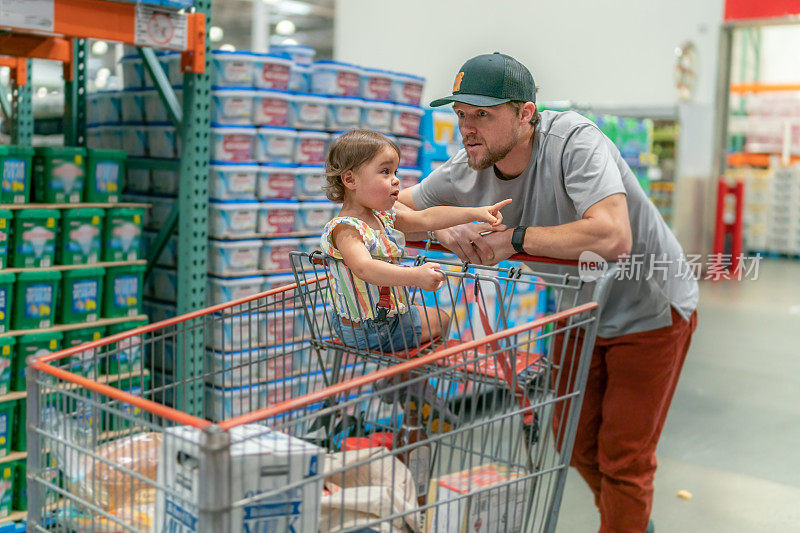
column 482, row 113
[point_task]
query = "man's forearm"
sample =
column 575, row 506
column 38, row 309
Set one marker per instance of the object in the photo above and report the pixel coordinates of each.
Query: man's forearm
column 568, row 241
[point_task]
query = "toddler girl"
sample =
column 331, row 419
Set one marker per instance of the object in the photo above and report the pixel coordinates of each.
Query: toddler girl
column 368, row 237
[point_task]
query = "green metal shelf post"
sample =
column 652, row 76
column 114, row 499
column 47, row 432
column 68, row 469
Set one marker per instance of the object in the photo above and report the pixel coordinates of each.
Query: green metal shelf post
column 75, row 97
column 22, row 111
column 193, row 227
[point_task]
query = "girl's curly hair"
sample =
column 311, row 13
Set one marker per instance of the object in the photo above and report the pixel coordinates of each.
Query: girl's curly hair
column 349, row 152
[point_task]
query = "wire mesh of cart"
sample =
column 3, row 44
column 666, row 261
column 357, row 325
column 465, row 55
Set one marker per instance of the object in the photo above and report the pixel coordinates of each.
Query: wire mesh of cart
column 255, row 416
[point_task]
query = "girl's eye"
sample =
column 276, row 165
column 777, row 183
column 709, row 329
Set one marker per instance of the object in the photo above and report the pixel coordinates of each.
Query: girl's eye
column 385, row 171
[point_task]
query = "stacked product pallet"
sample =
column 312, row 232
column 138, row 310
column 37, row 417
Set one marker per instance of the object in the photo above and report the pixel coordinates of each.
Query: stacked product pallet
column 69, row 273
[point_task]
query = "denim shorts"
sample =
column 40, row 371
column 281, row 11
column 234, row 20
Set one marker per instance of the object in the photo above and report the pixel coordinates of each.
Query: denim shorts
column 398, row 333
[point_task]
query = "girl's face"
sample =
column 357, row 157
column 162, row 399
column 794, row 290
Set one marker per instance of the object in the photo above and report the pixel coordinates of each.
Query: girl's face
column 375, row 183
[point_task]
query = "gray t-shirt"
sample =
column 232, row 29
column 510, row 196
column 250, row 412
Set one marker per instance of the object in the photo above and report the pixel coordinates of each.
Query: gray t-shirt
column 573, row 166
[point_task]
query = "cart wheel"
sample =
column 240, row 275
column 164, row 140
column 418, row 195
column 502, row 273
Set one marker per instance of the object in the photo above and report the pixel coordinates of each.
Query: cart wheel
column 532, row 430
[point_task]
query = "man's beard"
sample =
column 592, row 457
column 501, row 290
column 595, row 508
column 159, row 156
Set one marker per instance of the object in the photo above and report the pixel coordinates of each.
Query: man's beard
column 492, row 156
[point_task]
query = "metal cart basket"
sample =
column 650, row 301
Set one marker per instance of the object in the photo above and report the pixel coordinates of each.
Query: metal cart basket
column 256, row 416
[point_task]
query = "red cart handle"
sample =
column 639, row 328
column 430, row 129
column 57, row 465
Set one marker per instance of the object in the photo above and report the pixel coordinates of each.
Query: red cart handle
column 516, row 257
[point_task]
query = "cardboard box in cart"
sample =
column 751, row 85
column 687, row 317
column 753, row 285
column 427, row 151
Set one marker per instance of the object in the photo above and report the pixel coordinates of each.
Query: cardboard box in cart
column 492, row 510
column 262, row 460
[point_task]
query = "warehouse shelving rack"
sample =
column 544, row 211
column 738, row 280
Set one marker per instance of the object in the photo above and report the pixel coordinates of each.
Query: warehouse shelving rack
column 73, row 23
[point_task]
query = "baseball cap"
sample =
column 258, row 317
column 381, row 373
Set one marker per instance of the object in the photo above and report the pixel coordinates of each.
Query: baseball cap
column 491, row 79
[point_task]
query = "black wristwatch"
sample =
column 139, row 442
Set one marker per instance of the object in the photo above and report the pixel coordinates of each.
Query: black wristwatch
column 518, row 239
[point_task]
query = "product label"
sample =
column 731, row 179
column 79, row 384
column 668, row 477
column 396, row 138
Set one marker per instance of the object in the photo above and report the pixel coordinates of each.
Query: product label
column 379, row 88
column 378, row 119
column 3, row 297
column 126, row 291
column 316, row 218
column 235, row 71
column 277, row 257
column 237, row 147
column 411, row 93
column 277, row 185
column 409, row 124
column 279, row 221
column 66, row 176
column 125, row 238
column 311, row 114
column 179, row 520
column 311, row 184
column 346, row 116
column 84, row 240
column 236, row 107
column 275, row 76
column 277, row 146
column 244, row 258
column 14, row 176
column 84, row 298
column 347, row 83
column 240, row 220
column 273, row 112
column 106, row 177
column 240, row 182
column 311, row 151
column 38, row 301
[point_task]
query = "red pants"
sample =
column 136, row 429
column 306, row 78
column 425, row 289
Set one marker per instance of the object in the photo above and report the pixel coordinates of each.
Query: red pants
column 628, row 392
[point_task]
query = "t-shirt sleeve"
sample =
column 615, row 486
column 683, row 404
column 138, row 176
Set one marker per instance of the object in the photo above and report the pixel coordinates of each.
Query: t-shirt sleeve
column 435, row 190
column 590, row 172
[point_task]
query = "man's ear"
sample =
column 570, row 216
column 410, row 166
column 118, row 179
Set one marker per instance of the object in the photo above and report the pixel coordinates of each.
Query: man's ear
column 349, row 179
column 526, row 112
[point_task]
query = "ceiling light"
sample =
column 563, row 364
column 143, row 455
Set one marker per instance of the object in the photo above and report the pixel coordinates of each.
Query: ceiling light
column 227, row 48
column 99, row 48
column 292, row 7
column 215, row 34
column 285, row 27
column 41, row 92
column 103, row 73
column 289, row 42
column 100, row 82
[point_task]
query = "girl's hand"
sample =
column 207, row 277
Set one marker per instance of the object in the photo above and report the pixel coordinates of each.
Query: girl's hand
column 491, row 213
column 427, row 278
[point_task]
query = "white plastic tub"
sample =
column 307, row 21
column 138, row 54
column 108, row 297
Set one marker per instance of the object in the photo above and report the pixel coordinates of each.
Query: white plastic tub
column 275, row 253
column 310, row 244
column 235, row 368
column 162, row 141
column 169, row 255
column 408, row 177
column 314, row 215
column 300, row 79
column 132, row 105
column 310, row 148
column 276, row 181
column 376, row 84
column 275, row 145
column 231, row 402
column 344, row 113
column 221, row 290
column 302, row 55
column 137, row 180
column 104, row 107
column 232, row 181
column 407, row 89
column 335, row 78
column 309, row 182
column 272, row 108
column 165, row 181
column 232, row 143
column 134, row 140
column 308, row 112
column 232, row 219
column 232, row 69
column 277, row 218
column 406, row 120
column 132, row 71
column 409, row 151
column 271, row 71
column 154, row 108
column 377, row 116
column 232, row 258
column 237, row 331
column 232, row 105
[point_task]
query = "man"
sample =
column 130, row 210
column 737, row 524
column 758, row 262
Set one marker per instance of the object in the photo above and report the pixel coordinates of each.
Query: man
column 573, row 192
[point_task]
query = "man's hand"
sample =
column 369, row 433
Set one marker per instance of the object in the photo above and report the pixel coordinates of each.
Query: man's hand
column 500, row 242
column 468, row 244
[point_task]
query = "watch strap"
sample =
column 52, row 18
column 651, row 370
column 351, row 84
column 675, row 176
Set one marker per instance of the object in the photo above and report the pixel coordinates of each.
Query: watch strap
column 518, row 239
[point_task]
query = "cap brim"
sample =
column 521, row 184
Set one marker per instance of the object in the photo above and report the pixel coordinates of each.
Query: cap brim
column 470, row 99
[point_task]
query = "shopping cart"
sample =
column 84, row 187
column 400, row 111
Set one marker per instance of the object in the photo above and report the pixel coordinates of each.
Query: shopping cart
column 275, row 425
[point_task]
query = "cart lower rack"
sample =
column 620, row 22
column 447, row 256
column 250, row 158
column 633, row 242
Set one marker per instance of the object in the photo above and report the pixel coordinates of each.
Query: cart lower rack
column 279, row 425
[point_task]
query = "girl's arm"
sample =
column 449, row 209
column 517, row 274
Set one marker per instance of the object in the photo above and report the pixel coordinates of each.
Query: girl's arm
column 376, row 272
column 441, row 217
